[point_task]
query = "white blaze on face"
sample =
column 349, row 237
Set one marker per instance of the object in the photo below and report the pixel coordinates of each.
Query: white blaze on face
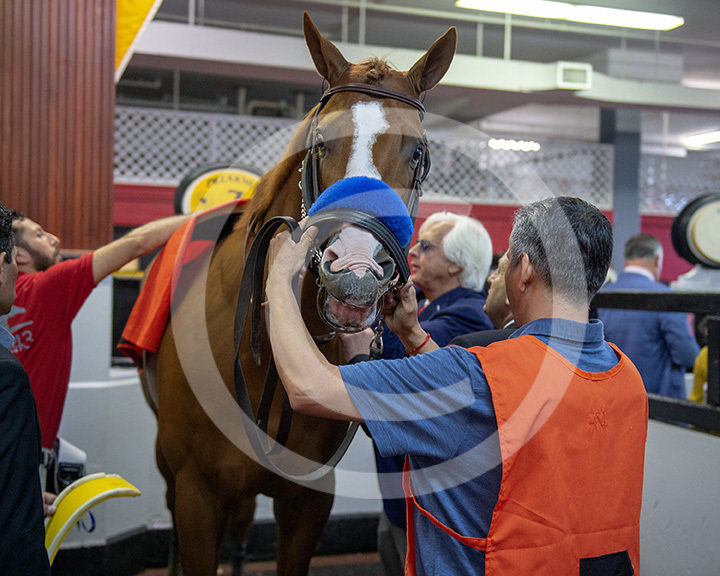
column 369, row 121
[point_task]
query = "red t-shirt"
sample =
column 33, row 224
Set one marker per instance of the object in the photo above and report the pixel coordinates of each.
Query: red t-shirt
column 40, row 320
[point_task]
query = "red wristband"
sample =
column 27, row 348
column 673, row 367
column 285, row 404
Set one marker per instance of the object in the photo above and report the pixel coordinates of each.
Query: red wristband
column 415, row 350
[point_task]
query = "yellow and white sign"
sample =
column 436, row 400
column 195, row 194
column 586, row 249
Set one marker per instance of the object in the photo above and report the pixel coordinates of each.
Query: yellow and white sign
column 209, row 187
column 131, row 18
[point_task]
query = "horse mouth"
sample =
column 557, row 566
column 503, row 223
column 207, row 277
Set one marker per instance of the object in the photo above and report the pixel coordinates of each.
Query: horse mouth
column 343, row 316
column 353, row 274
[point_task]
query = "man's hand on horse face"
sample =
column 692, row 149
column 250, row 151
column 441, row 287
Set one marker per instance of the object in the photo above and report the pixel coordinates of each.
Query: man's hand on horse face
column 400, row 310
column 287, row 258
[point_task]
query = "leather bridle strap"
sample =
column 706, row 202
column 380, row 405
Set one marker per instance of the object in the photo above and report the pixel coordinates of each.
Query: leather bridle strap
column 376, row 91
column 250, row 294
column 309, row 179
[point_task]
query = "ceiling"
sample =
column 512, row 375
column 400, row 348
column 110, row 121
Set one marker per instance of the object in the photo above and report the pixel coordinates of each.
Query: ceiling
column 675, row 66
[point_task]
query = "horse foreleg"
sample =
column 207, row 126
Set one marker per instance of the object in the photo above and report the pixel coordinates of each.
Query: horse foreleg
column 300, row 521
column 200, row 522
column 174, row 568
column 239, row 528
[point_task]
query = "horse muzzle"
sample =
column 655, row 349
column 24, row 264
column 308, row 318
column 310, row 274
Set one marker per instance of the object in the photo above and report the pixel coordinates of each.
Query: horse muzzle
column 353, row 279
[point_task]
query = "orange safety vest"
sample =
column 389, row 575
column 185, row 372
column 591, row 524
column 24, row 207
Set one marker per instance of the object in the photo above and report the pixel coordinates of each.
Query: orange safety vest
column 573, row 449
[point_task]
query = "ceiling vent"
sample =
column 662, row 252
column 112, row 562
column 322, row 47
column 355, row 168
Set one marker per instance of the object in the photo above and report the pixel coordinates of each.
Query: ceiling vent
column 574, row 75
column 639, row 65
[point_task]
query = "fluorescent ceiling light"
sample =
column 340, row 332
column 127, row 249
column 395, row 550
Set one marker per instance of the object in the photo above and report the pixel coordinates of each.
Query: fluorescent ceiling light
column 514, row 145
column 699, row 140
column 702, row 83
column 577, row 13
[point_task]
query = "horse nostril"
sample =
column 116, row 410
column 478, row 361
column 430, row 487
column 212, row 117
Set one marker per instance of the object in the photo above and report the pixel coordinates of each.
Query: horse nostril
column 388, row 267
column 349, row 288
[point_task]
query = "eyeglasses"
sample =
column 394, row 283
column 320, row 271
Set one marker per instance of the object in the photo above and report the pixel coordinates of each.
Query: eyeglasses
column 425, row 245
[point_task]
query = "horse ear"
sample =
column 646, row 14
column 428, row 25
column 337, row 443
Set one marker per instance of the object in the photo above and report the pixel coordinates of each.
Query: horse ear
column 430, row 69
column 329, row 62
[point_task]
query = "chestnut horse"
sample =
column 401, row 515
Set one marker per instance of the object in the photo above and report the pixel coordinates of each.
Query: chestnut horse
column 202, row 449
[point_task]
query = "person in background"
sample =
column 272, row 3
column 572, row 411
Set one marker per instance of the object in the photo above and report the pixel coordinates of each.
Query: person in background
column 700, row 369
column 497, row 307
column 50, row 292
column 659, row 343
column 523, row 457
column 449, row 265
column 22, row 543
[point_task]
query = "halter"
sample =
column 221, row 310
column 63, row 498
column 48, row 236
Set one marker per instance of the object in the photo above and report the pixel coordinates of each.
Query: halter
column 251, row 285
column 309, row 182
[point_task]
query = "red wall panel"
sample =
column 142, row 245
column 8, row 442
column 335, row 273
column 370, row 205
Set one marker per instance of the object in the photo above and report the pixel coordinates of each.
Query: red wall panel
column 137, row 204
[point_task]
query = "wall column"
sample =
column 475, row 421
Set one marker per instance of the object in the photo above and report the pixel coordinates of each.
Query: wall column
column 622, row 129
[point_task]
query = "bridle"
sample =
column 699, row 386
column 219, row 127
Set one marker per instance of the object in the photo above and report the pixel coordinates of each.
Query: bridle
column 309, row 171
column 251, row 285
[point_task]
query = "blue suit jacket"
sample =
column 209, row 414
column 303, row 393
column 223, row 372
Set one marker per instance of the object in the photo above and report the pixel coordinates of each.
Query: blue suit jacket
column 659, row 343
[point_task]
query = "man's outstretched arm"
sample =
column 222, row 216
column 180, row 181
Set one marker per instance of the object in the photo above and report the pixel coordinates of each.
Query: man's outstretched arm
column 134, row 244
column 314, row 386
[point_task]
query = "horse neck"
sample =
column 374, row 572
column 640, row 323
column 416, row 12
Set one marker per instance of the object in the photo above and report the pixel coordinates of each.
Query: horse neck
column 278, row 191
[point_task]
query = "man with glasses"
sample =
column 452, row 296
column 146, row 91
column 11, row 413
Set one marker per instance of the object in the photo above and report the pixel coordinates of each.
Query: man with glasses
column 497, row 307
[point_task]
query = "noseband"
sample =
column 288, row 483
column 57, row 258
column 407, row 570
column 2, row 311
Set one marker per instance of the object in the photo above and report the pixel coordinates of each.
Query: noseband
column 309, row 171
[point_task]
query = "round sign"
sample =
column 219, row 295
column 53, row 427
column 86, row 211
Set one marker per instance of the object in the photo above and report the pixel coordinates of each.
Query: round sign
column 696, row 231
column 212, row 185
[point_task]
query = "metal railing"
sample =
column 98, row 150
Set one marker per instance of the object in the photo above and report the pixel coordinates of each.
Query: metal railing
column 703, row 416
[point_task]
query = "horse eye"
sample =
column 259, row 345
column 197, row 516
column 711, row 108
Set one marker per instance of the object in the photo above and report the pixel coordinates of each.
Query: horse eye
column 417, row 155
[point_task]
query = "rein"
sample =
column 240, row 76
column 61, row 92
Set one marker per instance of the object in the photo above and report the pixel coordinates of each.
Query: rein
column 251, row 286
column 251, row 289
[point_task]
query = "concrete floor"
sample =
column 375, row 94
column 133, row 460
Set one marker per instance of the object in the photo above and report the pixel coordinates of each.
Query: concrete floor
column 345, row 565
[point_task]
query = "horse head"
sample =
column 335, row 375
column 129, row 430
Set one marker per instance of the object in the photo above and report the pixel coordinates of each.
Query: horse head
column 366, row 128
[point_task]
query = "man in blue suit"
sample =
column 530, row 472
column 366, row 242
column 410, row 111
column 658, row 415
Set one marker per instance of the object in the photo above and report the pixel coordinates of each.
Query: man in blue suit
column 659, row 343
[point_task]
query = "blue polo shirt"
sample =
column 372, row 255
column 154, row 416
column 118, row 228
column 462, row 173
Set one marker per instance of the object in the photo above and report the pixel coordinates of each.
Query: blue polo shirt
column 437, row 408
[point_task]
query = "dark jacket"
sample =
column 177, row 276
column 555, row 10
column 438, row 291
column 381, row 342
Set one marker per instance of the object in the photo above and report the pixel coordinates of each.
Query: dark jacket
column 483, row 337
column 22, row 544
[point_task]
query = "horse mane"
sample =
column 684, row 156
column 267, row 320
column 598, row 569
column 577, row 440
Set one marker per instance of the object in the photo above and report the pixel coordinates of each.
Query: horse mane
column 375, row 69
column 277, row 177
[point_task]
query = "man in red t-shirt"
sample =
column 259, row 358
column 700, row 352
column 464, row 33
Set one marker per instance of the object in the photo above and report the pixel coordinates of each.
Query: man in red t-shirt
column 50, row 292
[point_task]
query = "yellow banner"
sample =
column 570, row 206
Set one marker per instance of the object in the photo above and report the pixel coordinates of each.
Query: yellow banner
column 130, row 19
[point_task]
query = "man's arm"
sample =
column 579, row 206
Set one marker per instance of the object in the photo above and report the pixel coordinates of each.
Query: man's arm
column 314, row 386
column 134, row 244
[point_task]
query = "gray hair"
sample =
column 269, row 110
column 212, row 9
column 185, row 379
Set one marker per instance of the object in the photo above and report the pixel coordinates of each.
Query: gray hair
column 468, row 245
column 569, row 243
column 642, row 246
